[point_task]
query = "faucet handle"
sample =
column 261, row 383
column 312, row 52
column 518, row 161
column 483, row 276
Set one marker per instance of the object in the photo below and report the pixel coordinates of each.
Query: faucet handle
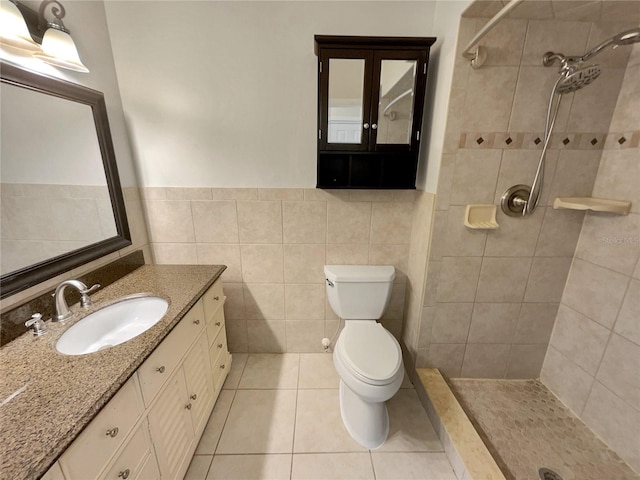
column 85, row 300
column 37, row 325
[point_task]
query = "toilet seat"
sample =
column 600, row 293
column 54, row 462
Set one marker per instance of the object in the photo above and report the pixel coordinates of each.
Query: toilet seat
column 369, row 352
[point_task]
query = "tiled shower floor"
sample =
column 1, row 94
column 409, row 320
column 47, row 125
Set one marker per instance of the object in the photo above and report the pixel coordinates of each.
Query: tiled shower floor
column 527, row 428
column 278, row 417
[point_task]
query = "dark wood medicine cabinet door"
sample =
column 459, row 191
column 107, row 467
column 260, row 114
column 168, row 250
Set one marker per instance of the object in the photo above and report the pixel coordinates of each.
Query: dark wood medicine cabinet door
column 371, row 93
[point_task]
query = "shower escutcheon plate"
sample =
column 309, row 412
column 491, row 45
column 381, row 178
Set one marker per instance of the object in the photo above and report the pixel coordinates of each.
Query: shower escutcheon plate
column 514, row 200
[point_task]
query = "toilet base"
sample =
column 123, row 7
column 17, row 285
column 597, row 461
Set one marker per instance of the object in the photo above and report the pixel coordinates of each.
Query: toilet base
column 367, row 423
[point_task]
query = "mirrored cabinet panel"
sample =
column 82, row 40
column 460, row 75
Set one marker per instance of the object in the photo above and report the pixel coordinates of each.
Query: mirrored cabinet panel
column 370, row 101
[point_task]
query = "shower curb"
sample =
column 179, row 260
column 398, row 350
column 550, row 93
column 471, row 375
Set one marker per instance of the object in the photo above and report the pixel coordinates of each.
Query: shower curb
column 464, row 448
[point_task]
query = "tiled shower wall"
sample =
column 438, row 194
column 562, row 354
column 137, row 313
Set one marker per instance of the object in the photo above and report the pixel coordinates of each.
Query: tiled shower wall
column 275, row 243
column 593, row 361
column 491, row 297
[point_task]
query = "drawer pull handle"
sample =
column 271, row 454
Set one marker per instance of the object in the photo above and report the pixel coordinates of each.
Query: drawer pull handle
column 220, row 345
column 222, row 366
column 194, row 396
column 124, row 475
column 216, row 298
column 197, row 322
column 160, row 369
column 217, row 324
column 112, row 432
column 188, row 406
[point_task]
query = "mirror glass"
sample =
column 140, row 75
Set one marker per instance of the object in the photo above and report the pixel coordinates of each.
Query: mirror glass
column 346, row 88
column 55, row 197
column 395, row 107
column 61, row 202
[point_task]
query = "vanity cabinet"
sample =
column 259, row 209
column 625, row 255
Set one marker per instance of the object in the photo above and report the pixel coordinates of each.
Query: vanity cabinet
column 152, row 426
column 371, row 93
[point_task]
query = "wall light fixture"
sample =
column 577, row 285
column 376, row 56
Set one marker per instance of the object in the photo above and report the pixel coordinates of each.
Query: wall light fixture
column 23, row 25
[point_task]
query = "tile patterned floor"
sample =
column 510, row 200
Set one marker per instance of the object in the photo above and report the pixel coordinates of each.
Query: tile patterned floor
column 527, row 428
column 278, row 417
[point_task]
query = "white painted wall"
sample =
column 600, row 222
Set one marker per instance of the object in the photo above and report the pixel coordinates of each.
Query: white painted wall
column 223, row 94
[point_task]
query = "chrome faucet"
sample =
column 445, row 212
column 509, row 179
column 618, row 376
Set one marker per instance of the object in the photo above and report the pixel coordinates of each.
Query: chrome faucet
column 62, row 309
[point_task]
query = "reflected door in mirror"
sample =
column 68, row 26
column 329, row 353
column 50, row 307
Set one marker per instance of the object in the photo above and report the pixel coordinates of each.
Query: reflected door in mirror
column 395, row 103
column 346, row 100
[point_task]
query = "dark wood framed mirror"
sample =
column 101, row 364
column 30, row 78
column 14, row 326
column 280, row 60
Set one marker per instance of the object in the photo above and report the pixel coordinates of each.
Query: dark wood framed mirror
column 80, row 247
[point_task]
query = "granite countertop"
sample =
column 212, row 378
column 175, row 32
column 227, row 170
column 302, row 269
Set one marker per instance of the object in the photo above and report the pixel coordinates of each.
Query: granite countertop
column 47, row 398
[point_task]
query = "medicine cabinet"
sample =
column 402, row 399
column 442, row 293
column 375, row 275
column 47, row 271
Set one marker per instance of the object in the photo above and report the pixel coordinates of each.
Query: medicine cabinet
column 371, row 93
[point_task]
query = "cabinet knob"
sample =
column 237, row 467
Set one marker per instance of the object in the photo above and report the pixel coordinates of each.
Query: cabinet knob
column 217, row 324
column 194, row 396
column 365, row 126
column 197, row 322
column 112, row 432
column 220, row 345
column 222, row 366
column 216, row 298
column 188, row 406
column 374, row 126
column 160, row 369
column 124, row 474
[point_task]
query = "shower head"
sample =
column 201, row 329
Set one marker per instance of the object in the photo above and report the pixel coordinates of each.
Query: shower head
column 576, row 78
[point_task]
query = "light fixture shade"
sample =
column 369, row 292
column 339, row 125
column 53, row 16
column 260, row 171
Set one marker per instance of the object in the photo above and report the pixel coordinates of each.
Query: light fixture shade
column 13, row 29
column 59, row 49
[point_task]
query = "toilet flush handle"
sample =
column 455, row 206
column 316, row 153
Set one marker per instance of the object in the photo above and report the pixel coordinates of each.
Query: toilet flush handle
column 330, row 283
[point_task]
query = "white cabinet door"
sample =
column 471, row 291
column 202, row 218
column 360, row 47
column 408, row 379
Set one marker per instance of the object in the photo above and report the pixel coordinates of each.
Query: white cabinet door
column 134, row 457
column 171, row 429
column 197, row 371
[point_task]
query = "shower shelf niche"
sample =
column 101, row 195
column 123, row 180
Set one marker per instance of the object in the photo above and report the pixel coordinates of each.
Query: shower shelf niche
column 618, row 207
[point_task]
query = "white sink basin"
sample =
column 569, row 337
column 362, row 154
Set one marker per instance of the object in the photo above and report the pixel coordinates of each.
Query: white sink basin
column 112, row 325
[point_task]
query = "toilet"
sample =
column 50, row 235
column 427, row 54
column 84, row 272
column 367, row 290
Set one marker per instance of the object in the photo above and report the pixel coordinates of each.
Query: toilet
column 367, row 357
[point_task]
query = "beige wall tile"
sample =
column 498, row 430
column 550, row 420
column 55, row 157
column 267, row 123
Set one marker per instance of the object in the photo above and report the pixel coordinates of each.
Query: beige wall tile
column 319, row 195
column 262, row 263
column 547, row 279
column 348, row 222
column 583, row 11
column 575, row 174
column 180, row 193
column 304, row 263
column 395, row 309
column 493, row 322
column 395, row 255
column 371, row 195
column 267, row 336
column 237, row 335
column 488, row 102
column 222, row 254
column 619, row 370
column 264, row 301
column 347, row 254
column 304, row 301
column 215, row 222
column 595, row 291
column 304, row 222
column 557, row 36
column 474, row 179
column 245, row 194
column 627, row 323
column 535, row 323
column 566, row 380
column 611, row 241
column 485, row 360
column 516, row 237
column 617, row 177
column 504, row 42
column 615, row 421
column 625, row 114
column 525, row 361
column 458, row 279
column 580, row 339
column 559, row 233
column 174, row 253
column 519, row 167
column 446, row 357
column 503, row 279
column 458, row 240
column 451, row 323
column 304, row 336
column 170, row 221
column 391, row 223
column 620, row 16
column 154, row 193
column 260, row 222
column 234, row 303
column 292, row 194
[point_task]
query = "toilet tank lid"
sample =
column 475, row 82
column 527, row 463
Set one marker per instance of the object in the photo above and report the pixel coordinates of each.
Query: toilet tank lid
column 360, row 273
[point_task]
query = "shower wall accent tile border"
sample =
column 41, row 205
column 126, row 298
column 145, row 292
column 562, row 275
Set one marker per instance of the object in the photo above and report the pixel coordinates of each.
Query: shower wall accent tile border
column 559, row 140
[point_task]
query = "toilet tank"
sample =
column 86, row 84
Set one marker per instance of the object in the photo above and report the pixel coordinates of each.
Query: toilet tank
column 359, row 292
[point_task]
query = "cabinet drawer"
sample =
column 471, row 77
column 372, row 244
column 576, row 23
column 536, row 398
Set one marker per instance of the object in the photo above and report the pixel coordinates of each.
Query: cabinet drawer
column 213, row 299
column 54, row 473
column 132, row 458
column 215, row 325
column 218, row 346
column 93, row 448
column 220, row 360
column 163, row 361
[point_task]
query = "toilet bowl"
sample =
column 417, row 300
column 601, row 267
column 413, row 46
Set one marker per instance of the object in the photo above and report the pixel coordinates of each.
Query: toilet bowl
column 367, row 357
